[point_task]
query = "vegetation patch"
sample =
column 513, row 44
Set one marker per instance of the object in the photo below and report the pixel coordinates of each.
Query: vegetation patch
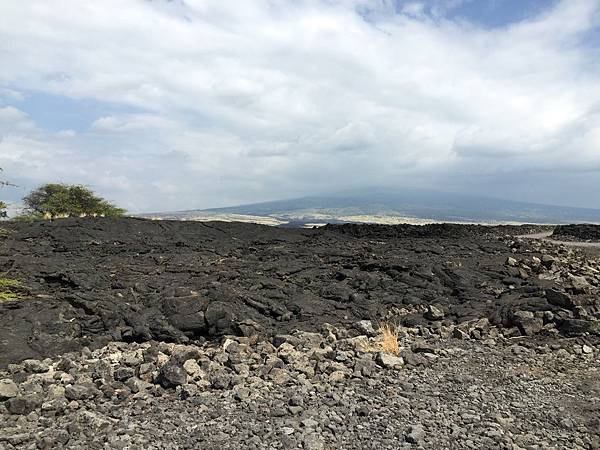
column 11, row 290
column 388, row 339
column 56, row 200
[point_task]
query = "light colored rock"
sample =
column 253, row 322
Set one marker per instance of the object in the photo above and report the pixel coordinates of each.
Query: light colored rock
column 309, row 339
column 192, row 368
column 336, row 376
column 56, row 391
column 579, row 283
column 313, row 442
column 415, row 435
column 523, row 274
column 365, row 327
column 434, row 313
column 67, row 378
column 358, row 343
column 8, row 389
column 161, row 359
column 459, row 334
column 279, row 376
column 227, row 342
column 35, row 366
column 389, row 361
column 510, row 261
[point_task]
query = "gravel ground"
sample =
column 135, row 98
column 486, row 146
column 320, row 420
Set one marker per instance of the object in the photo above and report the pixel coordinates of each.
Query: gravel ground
column 313, row 391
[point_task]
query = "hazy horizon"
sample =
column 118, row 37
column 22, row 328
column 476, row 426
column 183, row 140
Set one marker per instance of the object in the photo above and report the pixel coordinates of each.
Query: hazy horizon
column 342, row 194
column 177, row 105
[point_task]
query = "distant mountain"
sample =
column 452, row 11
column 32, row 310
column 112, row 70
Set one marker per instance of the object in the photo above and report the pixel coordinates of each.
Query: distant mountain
column 388, row 206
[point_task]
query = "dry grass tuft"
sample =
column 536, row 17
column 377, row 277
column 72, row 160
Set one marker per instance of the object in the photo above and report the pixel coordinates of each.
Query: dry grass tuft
column 388, row 339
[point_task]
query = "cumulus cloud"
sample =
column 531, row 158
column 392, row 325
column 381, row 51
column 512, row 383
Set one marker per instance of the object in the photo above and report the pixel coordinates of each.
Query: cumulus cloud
column 246, row 101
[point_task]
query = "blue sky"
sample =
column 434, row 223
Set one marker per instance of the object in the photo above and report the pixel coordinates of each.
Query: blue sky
column 203, row 103
column 500, row 13
column 55, row 112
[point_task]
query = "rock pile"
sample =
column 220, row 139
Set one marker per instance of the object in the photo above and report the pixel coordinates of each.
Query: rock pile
column 571, row 278
column 309, row 390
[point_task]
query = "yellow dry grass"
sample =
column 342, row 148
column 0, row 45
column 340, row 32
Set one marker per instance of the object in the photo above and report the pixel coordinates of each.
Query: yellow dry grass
column 388, row 339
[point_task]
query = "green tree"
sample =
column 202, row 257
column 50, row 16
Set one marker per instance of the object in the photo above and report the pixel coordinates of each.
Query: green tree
column 63, row 200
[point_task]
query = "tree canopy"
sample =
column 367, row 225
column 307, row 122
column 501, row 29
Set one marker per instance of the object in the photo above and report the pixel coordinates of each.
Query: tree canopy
column 63, row 200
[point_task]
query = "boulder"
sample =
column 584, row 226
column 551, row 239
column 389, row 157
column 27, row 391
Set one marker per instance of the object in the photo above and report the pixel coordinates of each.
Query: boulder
column 286, row 338
column 415, row 434
column 8, row 389
column 35, row 366
column 511, row 262
column 192, row 368
column 365, row 327
column 124, row 373
column 559, row 298
column 83, row 391
column 219, row 319
column 434, row 313
column 187, row 313
column 172, row 374
column 530, row 325
column 579, row 283
column 577, row 327
column 548, row 261
column 24, row 404
column 457, row 333
column 389, row 361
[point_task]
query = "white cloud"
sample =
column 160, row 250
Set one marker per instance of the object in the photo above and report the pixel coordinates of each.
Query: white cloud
column 10, row 114
column 66, row 134
column 13, row 120
column 132, row 123
column 252, row 100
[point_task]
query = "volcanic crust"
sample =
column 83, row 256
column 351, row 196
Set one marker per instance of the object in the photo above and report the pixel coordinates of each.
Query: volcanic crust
column 250, row 336
column 581, row 232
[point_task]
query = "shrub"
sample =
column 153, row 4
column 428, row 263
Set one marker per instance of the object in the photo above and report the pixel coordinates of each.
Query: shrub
column 28, row 218
column 62, row 200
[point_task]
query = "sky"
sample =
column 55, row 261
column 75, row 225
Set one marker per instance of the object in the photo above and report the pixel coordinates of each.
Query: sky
column 167, row 105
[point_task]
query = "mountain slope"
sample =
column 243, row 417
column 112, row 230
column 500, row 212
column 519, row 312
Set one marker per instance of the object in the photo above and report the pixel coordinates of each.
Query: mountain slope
column 413, row 203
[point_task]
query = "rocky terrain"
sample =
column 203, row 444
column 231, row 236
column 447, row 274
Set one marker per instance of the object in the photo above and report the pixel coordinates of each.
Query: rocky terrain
column 137, row 334
column 583, row 232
